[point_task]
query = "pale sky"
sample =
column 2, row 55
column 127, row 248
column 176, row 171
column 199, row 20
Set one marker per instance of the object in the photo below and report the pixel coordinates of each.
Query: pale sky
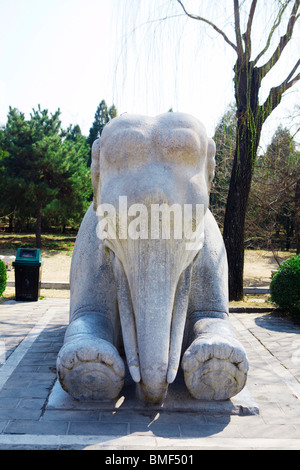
column 71, row 54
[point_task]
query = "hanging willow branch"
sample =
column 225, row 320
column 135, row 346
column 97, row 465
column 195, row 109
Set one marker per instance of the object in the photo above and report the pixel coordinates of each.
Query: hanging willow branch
column 273, row 29
column 264, row 69
column 237, row 28
column 275, row 94
column 200, row 18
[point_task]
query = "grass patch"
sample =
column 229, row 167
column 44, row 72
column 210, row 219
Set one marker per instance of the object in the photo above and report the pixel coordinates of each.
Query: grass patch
column 10, row 294
column 11, row 242
column 253, row 300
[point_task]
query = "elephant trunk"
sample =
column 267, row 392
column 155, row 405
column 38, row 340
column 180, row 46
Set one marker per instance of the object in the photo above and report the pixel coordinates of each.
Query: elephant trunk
column 153, row 298
column 160, row 328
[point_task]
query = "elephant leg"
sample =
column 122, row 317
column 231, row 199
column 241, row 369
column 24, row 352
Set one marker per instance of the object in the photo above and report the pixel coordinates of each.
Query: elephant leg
column 89, row 365
column 215, row 364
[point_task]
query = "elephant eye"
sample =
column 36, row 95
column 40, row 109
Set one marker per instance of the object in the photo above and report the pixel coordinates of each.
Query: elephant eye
column 180, row 146
column 122, row 152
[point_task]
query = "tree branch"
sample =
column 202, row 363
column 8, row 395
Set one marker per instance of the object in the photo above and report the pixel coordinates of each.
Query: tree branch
column 247, row 33
column 273, row 29
column 292, row 72
column 250, row 19
column 276, row 93
column 292, row 82
column 237, row 27
column 200, row 18
column 283, row 41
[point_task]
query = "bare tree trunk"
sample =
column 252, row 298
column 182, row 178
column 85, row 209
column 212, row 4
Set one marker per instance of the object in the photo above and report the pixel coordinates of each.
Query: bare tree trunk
column 249, row 124
column 297, row 217
column 236, row 207
column 39, row 225
column 11, row 222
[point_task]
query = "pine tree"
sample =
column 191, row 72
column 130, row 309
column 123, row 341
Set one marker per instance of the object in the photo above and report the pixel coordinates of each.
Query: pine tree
column 44, row 167
column 75, row 191
column 274, row 210
column 102, row 116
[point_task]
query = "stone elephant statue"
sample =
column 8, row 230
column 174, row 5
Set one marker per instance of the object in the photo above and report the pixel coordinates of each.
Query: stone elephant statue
column 158, row 293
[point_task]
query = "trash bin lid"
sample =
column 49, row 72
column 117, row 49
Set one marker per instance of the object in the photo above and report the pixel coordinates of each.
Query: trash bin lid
column 28, row 256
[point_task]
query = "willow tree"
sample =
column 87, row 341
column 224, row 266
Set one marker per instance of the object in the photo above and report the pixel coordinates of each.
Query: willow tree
column 251, row 115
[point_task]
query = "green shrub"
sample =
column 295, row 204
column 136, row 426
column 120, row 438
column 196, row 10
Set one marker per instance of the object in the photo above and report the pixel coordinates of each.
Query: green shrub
column 3, row 277
column 285, row 286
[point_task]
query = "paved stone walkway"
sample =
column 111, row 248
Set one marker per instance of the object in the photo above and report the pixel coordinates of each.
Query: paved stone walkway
column 31, row 336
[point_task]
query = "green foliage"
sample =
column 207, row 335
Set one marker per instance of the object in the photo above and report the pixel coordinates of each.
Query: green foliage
column 285, row 286
column 44, row 174
column 224, row 137
column 102, row 116
column 273, row 208
column 3, row 277
column 44, row 177
column 75, row 191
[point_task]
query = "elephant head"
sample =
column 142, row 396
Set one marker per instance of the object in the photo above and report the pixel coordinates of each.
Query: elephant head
column 142, row 167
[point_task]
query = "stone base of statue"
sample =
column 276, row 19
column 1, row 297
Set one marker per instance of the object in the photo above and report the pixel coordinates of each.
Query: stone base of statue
column 177, row 400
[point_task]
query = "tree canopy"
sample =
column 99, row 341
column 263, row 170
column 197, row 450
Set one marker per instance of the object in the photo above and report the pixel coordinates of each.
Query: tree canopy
column 45, row 175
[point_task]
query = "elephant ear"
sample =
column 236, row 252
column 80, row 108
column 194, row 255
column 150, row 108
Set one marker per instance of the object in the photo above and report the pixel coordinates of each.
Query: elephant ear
column 95, row 171
column 211, row 162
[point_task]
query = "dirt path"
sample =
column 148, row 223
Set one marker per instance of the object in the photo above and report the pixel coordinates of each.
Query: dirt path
column 259, row 265
column 55, row 268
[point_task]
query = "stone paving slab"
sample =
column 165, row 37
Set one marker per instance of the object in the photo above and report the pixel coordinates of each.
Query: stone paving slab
column 33, row 333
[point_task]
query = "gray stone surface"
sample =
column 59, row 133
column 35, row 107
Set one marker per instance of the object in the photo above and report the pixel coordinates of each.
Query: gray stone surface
column 166, row 295
column 178, row 399
column 272, row 346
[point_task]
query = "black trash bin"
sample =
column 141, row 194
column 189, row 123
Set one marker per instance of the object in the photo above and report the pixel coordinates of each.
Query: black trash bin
column 28, row 273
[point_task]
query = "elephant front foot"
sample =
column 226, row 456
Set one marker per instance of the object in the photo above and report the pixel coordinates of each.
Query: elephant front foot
column 90, row 369
column 215, row 368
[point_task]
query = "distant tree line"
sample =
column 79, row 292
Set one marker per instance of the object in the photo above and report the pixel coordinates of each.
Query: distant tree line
column 273, row 210
column 44, row 170
column 45, row 177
